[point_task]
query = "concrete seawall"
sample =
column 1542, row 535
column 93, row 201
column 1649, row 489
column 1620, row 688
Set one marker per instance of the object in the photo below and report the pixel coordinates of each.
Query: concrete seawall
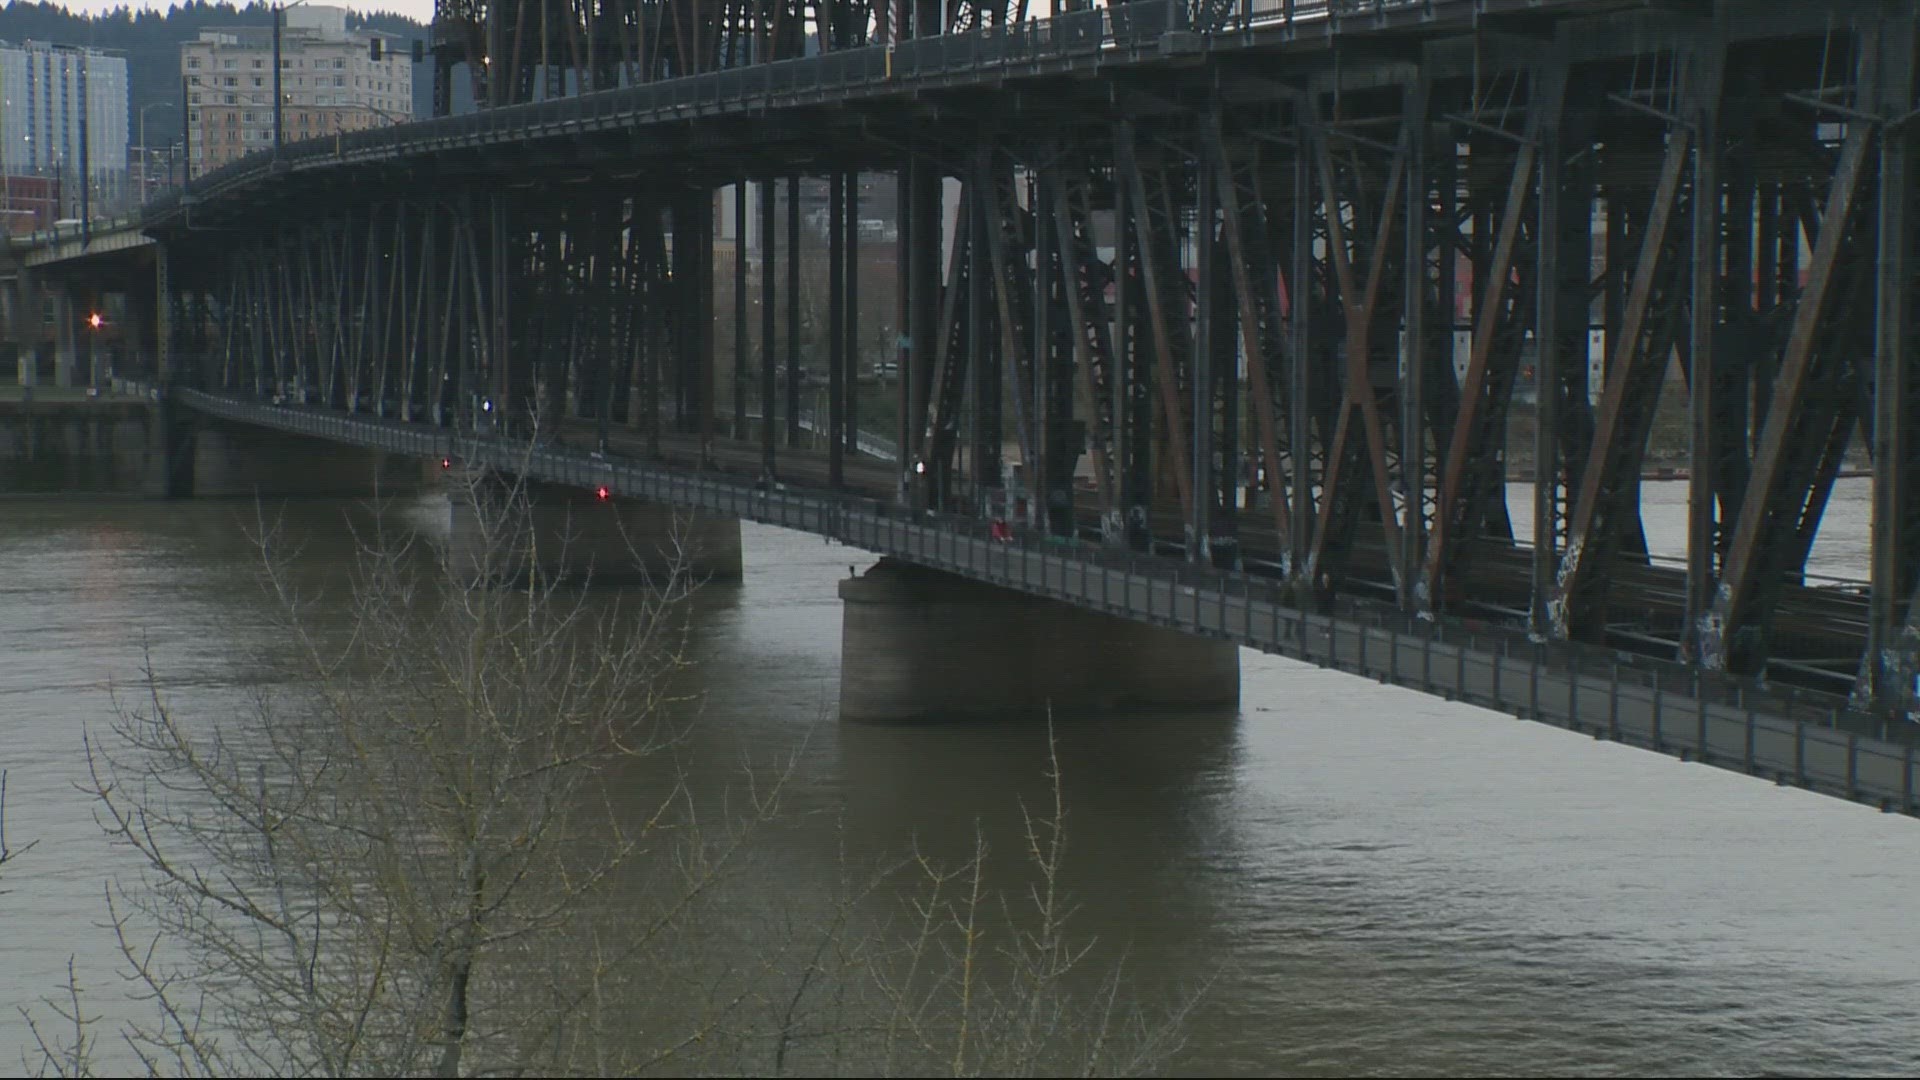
column 133, row 448
column 86, row 447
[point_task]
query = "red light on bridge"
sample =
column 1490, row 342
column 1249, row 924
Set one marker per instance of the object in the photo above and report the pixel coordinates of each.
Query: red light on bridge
column 602, row 493
column 446, row 463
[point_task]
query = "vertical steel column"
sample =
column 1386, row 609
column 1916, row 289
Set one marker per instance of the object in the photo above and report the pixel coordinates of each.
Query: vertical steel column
column 1546, row 365
column 1228, row 368
column 983, row 369
column 1130, row 422
column 1039, row 460
column 603, row 344
column 162, row 315
column 740, row 309
column 1891, row 671
column 1705, row 280
column 693, row 250
column 416, row 361
column 1740, row 334
column 393, row 266
column 1200, row 375
column 467, row 329
column 907, row 435
column 1767, row 296
column 1413, row 344
column 837, row 382
column 500, row 272
column 657, row 325
column 850, row 320
column 1069, row 372
column 793, row 311
column 1564, row 335
column 1300, row 319
column 767, row 342
column 922, row 238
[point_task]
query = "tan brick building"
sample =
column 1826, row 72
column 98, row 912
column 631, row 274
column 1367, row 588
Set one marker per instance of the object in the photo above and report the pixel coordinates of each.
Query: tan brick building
column 329, row 83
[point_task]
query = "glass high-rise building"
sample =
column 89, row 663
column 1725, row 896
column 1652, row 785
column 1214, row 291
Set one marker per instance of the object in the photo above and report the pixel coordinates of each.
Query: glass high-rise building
column 56, row 100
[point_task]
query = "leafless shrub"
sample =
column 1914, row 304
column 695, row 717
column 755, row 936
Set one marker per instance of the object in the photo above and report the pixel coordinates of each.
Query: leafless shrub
column 349, row 872
column 407, row 864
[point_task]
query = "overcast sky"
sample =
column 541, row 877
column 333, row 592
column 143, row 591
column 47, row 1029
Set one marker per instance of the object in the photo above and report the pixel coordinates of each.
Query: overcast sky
column 421, row 10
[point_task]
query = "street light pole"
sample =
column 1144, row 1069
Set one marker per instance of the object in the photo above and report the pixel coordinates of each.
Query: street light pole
column 186, row 132
column 279, row 15
column 143, row 118
column 146, row 154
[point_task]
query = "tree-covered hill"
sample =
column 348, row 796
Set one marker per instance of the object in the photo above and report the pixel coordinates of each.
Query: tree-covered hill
column 151, row 41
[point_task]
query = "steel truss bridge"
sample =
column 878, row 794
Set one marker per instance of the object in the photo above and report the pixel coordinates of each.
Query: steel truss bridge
column 1283, row 292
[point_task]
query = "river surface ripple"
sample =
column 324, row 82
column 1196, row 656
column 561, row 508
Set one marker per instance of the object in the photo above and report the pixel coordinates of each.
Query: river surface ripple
column 1374, row 881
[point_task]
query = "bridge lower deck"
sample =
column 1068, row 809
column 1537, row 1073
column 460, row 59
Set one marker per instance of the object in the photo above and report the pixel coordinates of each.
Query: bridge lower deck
column 1793, row 738
column 1822, row 629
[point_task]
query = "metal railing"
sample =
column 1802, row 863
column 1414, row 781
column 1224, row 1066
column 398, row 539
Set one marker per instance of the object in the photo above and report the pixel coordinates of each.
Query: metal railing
column 74, row 230
column 1834, row 753
column 869, row 443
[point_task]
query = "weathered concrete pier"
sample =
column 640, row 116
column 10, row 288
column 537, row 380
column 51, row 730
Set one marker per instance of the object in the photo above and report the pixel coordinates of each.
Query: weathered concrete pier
column 922, row 644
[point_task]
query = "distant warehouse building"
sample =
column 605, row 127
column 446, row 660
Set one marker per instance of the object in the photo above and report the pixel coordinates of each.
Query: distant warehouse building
column 27, row 203
column 329, row 83
column 63, row 114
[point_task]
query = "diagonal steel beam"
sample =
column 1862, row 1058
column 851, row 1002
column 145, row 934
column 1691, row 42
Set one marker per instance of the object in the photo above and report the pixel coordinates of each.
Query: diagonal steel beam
column 1358, row 302
column 949, row 364
column 1075, row 262
column 1590, row 527
column 1259, row 324
column 1890, row 672
column 1474, row 386
column 1010, row 295
column 1760, row 511
column 1165, row 373
column 1706, row 403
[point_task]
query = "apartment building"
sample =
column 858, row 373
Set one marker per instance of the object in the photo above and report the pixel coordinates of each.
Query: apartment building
column 63, row 111
column 329, row 83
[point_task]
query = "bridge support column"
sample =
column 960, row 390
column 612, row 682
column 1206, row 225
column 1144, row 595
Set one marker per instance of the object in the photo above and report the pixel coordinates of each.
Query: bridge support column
column 618, row 543
column 919, row 644
column 67, row 340
column 236, row 461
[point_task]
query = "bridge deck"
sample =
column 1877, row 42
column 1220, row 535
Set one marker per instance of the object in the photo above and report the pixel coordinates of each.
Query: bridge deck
column 1826, row 619
column 1607, row 696
column 652, row 119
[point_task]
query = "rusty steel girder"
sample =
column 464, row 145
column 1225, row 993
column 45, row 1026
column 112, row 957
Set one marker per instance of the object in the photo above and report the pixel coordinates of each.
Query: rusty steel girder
column 515, row 51
column 1347, row 271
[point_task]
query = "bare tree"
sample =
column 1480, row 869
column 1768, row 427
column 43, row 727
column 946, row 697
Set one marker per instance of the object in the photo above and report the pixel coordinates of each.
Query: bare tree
column 7, row 854
column 978, row 987
column 405, row 863
column 350, row 871
column 929, row 967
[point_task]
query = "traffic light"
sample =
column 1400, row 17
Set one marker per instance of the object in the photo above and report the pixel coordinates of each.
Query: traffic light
column 95, row 322
column 374, row 47
column 419, row 50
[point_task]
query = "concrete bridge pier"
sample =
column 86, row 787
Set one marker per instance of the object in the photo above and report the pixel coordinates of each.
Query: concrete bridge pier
column 213, row 459
column 614, row 543
column 69, row 361
column 920, row 644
